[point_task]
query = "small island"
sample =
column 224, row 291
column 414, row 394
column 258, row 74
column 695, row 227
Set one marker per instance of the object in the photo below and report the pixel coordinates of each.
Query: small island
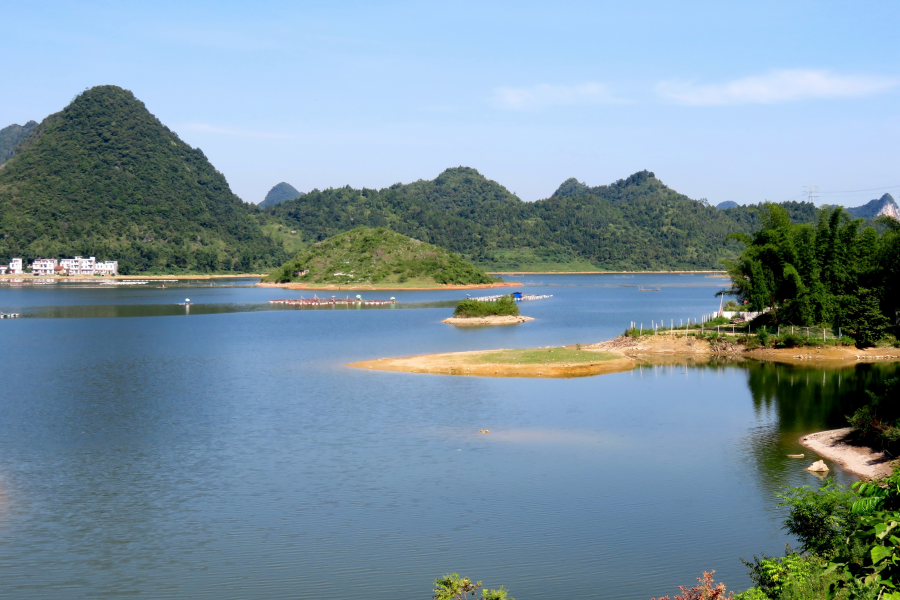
column 367, row 258
column 502, row 310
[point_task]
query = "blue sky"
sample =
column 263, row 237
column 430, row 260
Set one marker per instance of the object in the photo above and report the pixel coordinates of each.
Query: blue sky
column 743, row 101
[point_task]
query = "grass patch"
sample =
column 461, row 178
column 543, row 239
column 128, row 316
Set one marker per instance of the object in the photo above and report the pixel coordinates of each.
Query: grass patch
column 504, row 306
column 543, row 356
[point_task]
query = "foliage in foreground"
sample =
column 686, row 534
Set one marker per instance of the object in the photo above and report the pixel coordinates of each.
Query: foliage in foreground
column 503, row 306
column 455, row 587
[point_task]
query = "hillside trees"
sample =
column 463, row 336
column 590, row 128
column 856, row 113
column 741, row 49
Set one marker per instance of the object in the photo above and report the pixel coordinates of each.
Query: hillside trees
column 832, row 272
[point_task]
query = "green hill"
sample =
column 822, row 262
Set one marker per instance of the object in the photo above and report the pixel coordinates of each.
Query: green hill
column 12, row 136
column 378, row 256
column 636, row 223
column 278, row 194
column 105, row 178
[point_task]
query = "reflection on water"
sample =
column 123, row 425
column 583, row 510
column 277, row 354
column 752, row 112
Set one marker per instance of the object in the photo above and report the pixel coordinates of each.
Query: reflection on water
column 235, row 456
column 81, row 311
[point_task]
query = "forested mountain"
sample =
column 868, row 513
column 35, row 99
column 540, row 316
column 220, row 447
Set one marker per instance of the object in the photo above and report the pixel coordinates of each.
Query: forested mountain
column 105, row 178
column 636, row 223
column 378, row 256
column 727, row 204
column 12, row 136
column 278, row 194
column 875, row 208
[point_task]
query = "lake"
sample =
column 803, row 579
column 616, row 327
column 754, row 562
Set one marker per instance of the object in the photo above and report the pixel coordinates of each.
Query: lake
column 230, row 453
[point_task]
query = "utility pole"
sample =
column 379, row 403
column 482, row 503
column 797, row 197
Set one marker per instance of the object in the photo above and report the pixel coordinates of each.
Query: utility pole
column 812, row 193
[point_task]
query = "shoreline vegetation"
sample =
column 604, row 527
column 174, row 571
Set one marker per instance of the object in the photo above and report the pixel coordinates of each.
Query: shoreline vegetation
column 409, row 286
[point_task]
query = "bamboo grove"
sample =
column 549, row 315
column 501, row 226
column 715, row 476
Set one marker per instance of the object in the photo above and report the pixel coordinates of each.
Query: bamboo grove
column 833, row 272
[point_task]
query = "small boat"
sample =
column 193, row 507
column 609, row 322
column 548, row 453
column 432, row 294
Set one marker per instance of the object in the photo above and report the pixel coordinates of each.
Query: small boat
column 643, row 289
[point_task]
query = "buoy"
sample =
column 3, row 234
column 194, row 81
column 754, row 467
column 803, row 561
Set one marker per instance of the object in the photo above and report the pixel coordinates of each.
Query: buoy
column 484, row 431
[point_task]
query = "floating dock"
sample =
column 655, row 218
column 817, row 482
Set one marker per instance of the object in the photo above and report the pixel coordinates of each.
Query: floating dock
column 315, row 301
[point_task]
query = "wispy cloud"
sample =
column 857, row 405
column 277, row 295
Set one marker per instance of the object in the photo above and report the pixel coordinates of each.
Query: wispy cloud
column 778, row 86
column 206, row 128
column 544, row 95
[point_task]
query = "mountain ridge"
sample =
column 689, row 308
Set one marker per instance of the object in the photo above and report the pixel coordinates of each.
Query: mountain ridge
column 875, row 208
column 635, row 223
column 104, row 177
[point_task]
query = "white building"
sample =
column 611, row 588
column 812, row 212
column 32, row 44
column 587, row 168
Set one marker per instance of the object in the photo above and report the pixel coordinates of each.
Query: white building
column 3, row 269
column 43, row 266
column 15, row 266
column 89, row 266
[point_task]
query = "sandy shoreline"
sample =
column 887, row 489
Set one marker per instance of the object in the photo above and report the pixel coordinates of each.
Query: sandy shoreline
column 836, row 446
column 481, row 321
column 627, row 353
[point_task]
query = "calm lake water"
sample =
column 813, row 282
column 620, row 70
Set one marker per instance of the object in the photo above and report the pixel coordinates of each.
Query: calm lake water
column 230, row 453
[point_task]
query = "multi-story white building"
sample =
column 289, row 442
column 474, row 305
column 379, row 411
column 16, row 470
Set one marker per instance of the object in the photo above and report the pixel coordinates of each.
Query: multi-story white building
column 15, row 266
column 43, row 266
column 89, row 266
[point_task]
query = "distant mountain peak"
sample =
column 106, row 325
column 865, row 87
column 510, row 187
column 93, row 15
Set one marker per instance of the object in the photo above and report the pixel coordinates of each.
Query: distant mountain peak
column 727, row 204
column 278, row 194
column 572, row 187
column 11, row 137
column 875, row 208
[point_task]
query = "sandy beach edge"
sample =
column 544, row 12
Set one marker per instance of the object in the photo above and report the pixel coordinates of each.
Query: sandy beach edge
column 491, row 320
column 836, row 446
column 629, row 352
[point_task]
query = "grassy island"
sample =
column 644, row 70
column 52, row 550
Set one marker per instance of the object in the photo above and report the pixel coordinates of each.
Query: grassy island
column 505, row 306
column 367, row 257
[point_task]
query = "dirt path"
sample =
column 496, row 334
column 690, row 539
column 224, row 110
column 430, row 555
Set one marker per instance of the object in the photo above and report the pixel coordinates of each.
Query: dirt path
column 836, row 446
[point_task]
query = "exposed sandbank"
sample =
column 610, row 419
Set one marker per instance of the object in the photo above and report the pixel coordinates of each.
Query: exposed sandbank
column 386, row 287
column 837, row 446
column 621, row 354
column 491, row 320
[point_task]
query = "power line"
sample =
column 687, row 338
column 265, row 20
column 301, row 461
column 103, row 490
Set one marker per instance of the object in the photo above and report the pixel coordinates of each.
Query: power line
column 886, row 187
column 811, row 193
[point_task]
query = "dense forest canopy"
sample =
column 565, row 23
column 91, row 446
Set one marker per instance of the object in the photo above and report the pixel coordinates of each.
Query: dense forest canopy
column 637, row 223
column 378, row 256
column 105, row 178
column 834, row 272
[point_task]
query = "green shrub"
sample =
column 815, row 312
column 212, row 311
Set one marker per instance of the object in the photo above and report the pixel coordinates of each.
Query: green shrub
column 505, row 305
column 762, row 336
column 790, row 340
